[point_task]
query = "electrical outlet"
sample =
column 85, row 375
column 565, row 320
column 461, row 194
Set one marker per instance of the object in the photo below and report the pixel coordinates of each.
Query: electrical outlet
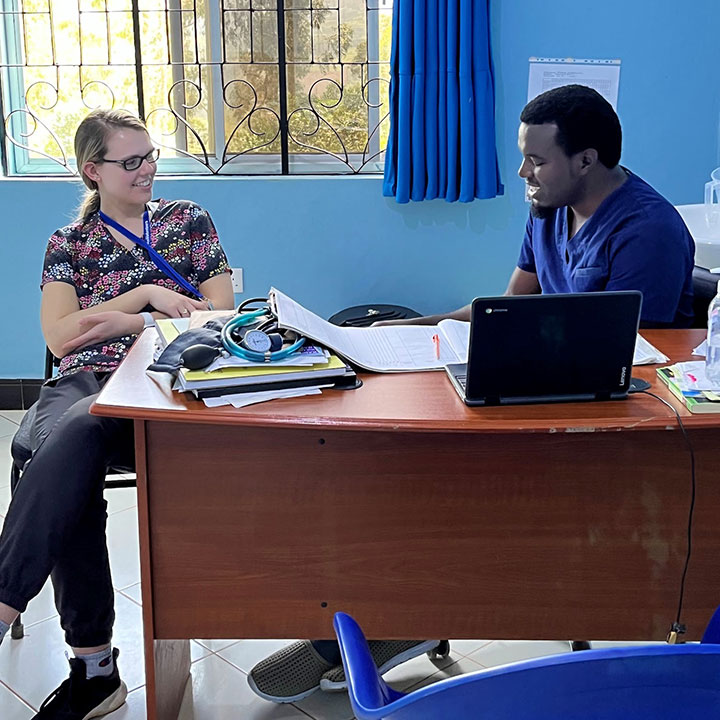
column 237, row 279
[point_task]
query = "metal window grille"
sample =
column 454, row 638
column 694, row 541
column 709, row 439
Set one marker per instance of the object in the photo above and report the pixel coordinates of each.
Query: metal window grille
column 228, row 87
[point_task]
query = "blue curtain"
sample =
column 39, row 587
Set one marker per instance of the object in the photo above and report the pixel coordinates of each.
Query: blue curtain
column 442, row 107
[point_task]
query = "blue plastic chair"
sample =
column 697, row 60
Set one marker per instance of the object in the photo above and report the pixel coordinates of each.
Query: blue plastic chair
column 662, row 682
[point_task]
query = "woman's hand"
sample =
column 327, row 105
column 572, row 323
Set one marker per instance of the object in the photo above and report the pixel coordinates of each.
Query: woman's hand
column 173, row 304
column 103, row 326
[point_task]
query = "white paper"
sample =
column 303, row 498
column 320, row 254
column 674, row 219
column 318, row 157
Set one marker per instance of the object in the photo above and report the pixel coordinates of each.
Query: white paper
column 647, row 354
column 457, row 333
column 548, row 73
column 690, row 376
column 239, row 400
column 383, row 349
column 297, row 359
column 701, row 349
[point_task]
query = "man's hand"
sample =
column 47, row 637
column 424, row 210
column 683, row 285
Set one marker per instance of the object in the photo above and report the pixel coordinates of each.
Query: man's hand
column 103, row 326
column 173, row 304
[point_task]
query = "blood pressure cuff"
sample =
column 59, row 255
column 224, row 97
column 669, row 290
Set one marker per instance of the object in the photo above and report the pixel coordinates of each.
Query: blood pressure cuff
column 208, row 334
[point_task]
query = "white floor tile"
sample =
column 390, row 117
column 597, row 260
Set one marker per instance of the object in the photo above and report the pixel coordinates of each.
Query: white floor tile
column 4, row 498
column 34, row 666
column 467, row 647
column 119, row 499
column 598, row 644
column 122, row 535
column 5, row 460
column 128, row 636
column 197, row 651
column 501, row 652
column 413, row 671
column 245, row 654
column 13, row 415
column 41, row 607
column 133, row 709
column 134, row 592
column 12, row 707
column 217, row 645
column 327, row 706
column 7, row 427
column 220, row 692
column 463, row 666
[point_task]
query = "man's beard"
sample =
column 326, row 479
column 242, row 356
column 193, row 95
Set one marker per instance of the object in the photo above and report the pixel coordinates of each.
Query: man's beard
column 541, row 212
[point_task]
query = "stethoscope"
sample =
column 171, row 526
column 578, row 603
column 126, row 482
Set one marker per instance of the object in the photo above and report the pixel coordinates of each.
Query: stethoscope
column 262, row 343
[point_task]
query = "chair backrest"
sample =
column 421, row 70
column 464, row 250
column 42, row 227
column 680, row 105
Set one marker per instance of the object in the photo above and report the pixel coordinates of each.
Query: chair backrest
column 704, row 290
column 51, row 362
column 366, row 315
column 662, row 682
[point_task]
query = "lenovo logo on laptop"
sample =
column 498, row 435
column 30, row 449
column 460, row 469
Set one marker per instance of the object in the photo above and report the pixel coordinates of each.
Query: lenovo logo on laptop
column 622, row 376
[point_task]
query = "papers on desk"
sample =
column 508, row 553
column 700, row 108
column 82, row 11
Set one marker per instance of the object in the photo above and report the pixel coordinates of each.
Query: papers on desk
column 689, row 383
column 245, row 399
column 383, row 349
column 647, row 354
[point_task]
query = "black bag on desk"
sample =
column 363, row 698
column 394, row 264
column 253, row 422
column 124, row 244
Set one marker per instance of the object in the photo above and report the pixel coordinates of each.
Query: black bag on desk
column 171, row 359
column 366, row 315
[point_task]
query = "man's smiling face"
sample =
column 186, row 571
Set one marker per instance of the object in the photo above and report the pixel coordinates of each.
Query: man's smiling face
column 553, row 178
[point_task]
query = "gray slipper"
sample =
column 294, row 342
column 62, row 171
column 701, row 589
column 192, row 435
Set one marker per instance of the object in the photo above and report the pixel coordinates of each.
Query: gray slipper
column 292, row 673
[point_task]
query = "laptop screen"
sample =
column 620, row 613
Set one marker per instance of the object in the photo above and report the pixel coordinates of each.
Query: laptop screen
column 552, row 345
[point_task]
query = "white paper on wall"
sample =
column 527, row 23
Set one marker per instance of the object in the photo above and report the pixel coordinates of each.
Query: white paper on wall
column 548, row 73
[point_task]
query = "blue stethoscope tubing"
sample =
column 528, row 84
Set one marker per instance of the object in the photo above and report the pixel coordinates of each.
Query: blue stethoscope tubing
column 245, row 318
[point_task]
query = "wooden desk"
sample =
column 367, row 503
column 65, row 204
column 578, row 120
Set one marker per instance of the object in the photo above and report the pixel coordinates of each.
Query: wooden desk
column 418, row 515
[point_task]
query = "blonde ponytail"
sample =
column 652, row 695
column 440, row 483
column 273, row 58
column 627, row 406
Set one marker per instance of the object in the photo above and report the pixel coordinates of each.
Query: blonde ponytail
column 90, row 204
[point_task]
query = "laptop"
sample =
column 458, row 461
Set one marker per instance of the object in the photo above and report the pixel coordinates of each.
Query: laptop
column 549, row 348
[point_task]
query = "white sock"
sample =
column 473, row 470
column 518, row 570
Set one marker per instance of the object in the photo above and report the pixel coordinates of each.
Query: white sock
column 99, row 663
column 4, row 627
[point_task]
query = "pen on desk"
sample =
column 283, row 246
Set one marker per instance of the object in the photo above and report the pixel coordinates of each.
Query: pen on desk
column 436, row 342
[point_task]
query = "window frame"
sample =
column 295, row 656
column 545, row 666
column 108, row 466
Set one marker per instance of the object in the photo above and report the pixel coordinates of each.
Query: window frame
column 17, row 161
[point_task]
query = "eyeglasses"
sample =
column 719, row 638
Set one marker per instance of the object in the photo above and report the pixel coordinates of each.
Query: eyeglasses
column 134, row 162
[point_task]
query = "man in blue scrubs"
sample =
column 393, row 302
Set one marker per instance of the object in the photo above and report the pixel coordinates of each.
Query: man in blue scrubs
column 593, row 224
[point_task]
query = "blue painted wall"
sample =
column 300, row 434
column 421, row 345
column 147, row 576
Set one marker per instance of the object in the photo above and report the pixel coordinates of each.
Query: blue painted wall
column 334, row 242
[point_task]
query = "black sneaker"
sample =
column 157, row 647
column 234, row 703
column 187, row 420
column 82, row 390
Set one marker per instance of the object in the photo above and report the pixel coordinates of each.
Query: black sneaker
column 80, row 698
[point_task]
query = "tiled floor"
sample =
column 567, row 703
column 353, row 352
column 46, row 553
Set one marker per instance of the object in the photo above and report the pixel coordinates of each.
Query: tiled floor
column 30, row 668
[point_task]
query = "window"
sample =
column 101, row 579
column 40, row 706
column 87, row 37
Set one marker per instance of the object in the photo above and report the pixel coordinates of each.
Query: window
column 226, row 86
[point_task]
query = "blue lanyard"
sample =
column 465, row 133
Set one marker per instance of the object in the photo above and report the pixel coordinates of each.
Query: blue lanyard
column 159, row 260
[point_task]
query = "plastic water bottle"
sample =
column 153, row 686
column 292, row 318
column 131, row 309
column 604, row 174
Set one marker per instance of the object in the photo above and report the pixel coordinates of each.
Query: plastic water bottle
column 712, row 359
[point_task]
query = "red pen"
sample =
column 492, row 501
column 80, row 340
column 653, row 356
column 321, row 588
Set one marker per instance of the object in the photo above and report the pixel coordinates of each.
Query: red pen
column 436, row 342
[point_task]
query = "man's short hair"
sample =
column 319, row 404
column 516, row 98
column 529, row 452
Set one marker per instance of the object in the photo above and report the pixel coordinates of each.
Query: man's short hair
column 584, row 119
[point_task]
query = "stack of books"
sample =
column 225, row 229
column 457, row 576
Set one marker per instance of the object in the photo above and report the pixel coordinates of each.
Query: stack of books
column 687, row 382
column 310, row 367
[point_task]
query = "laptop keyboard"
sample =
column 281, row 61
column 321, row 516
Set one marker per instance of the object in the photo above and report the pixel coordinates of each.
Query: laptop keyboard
column 461, row 380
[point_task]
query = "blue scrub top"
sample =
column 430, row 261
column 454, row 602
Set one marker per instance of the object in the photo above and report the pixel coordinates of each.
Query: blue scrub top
column 635, row 240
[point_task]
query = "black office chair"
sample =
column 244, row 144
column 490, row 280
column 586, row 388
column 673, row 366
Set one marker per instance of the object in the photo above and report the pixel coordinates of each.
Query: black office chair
column 704, row 289
column 21, row 452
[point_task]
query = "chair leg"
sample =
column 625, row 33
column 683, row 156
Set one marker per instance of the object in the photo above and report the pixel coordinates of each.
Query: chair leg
column 17, row 630
column 440, row 652
column 577, row 645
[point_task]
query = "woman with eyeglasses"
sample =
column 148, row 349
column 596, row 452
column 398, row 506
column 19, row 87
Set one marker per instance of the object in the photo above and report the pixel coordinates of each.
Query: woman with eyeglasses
column 123, row 263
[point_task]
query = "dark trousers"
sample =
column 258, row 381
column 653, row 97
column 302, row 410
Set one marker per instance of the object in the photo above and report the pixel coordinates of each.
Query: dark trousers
column 55, row 525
